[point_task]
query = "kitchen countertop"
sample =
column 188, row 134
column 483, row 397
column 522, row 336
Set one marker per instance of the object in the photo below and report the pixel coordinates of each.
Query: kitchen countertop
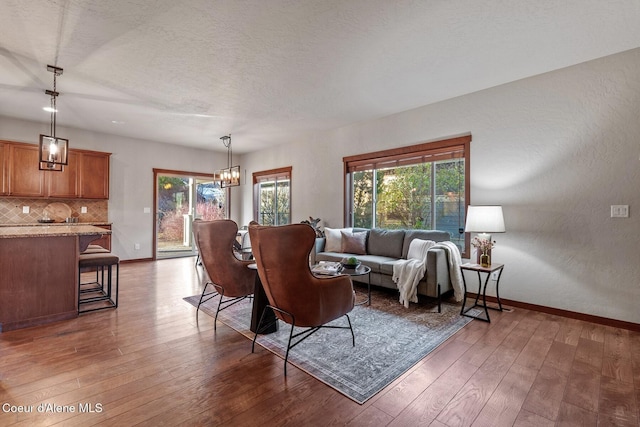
column 50, row 230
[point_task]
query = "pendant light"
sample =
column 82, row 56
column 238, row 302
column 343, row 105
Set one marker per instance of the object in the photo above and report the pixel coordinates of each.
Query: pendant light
column 230, row 176
column 53, row 152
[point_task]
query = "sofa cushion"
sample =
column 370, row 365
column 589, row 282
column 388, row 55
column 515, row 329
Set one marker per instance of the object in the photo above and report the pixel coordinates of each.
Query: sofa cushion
column 354, row 243
column 385, row 242
column 435, row 235
column 333, row 239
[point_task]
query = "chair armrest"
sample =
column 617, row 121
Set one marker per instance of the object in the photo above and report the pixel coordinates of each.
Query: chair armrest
column 438, row 269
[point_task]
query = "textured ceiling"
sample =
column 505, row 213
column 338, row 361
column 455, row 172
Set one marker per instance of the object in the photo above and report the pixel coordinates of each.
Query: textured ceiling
column 271, row 71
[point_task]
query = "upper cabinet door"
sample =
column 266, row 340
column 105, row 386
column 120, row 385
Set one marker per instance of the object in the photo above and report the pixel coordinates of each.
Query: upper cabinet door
column 94, row 175
column 25, row 177
column 65, row 184
column 3, row 170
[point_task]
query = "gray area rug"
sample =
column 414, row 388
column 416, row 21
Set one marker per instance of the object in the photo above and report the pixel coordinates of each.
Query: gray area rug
column 390, row 339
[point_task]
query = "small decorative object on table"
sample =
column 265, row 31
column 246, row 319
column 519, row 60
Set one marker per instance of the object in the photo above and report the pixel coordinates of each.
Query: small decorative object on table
column 483, row 246
column 350, row 262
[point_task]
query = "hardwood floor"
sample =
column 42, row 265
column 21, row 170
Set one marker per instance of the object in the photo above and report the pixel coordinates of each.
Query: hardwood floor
column 150, row 363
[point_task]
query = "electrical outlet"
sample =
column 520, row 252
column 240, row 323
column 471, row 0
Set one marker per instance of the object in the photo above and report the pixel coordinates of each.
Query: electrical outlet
column 25, row 209
column 494, row 275
column 83, row 209
column 146, row 210
column 619, row 211
column 136, row 246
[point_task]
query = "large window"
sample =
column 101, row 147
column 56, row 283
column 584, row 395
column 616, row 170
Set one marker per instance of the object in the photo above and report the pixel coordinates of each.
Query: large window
column 272, row 196
column 424, row 186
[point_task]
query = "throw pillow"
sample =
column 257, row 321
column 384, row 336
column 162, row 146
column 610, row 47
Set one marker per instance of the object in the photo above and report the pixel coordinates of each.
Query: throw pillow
column 386, row 242
column 333, row 239
column 354, row 243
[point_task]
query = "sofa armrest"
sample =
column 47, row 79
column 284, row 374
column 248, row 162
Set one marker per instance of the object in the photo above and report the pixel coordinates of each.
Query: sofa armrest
column 317, row 248
column 438, row 270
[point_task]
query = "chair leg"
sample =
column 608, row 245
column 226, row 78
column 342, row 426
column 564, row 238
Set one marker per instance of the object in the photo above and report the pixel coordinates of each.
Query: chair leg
column 304, row 334
column 353, row 337
column 222, row 305
column 215, row 319
column 206, row 296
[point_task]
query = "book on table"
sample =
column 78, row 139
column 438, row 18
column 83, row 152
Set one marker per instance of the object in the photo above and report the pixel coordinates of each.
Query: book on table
column 328, row 268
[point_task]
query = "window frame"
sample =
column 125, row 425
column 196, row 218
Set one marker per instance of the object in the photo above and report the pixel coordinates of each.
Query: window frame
column 432, row 151
column 271, row 174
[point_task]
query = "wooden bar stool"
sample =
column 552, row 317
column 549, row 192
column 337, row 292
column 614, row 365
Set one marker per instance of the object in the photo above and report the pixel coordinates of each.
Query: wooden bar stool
column 98, row 295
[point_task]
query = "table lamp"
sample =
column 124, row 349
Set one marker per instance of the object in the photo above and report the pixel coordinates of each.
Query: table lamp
column 484, row 220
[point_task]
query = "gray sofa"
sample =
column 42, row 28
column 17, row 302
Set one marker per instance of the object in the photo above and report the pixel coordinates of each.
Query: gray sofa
column 385, row 247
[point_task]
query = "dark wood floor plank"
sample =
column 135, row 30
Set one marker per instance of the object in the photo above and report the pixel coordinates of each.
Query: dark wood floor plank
column 617, row 403
column 504, row 405
column 410, row 386
column 536, row 349
column 574, row 416
column 546, row 393
column 426, row 407
column 583, row 386
column 469, row 401
column 528, row 419
column 570, row 331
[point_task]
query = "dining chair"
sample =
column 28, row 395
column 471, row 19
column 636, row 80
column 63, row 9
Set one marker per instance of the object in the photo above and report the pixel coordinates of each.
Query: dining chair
column 296, row 296
column 229, row 276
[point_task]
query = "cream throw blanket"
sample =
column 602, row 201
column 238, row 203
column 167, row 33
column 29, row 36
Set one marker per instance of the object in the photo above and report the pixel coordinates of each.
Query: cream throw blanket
column 408, row 272
column 455, row 274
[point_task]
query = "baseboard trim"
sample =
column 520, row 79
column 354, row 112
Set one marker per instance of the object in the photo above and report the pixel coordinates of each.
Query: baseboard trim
column 128, row 261
column 565, row 313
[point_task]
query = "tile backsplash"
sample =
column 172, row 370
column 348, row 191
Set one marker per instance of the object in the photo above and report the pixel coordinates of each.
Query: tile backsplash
column 11, row 210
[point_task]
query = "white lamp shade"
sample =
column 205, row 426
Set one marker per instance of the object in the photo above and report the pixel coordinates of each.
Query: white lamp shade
column 484, row 219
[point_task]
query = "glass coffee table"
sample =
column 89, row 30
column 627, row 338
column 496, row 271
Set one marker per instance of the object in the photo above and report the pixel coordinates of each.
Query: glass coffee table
column 360, row 270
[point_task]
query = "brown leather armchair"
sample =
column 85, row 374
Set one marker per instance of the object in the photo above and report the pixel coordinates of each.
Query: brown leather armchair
column 296, row 296
column 228, row 275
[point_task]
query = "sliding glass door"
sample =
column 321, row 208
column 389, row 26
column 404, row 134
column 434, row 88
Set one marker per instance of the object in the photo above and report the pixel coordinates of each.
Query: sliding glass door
column 181, row 198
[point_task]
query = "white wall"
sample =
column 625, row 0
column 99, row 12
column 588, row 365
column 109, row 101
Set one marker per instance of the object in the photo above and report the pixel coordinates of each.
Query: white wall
column 131, row 184
column 555, row 150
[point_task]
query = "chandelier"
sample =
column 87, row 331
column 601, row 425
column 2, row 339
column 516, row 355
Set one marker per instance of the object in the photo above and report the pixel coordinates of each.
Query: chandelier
column 53, row 150
column 230, row 176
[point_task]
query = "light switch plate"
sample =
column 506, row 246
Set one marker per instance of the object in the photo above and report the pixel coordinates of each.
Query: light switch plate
column 146, row 210
column 619, row 211
column 83, row 209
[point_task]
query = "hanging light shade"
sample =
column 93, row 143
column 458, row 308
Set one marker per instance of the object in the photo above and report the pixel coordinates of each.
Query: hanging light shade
column 53, row 152
column 229, row 176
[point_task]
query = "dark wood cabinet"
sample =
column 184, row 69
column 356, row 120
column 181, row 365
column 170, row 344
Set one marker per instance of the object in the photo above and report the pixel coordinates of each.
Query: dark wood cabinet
column 65, row 184
column 25, row 178
column 85, row 177
column 3, row 179
column 94, row 175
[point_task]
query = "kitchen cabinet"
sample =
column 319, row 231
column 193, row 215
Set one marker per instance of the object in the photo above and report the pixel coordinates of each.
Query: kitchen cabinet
column 65, row 184
column 94, row 175
column 85, row 177
column 3, row 185
column 25, row 179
